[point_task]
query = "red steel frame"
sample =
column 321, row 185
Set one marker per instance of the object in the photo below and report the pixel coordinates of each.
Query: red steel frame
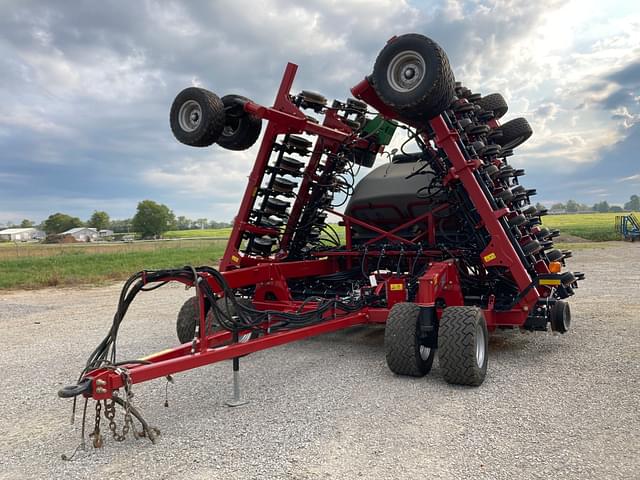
column 270, row 275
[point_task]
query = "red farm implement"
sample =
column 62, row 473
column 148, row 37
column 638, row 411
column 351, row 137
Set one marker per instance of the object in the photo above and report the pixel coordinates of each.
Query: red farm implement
column 441, row 243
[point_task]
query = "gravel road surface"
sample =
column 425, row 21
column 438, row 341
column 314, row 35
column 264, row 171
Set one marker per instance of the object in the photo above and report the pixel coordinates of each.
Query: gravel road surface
column 551, row 406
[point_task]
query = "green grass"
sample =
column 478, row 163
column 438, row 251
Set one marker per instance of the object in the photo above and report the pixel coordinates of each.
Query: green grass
column 37, row 266
column 77, row 267
column 584, row 245
column 208, row 233
column 591, row 226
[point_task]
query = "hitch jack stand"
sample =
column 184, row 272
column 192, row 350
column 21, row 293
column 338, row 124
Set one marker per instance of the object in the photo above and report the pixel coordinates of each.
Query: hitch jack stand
column 236, row 401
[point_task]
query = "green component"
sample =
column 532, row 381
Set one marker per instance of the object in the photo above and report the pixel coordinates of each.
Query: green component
column 380, row 128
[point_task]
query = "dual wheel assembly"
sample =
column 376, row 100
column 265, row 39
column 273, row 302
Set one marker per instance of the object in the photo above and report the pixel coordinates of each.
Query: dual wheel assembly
column 411, row 340
column 200, row 118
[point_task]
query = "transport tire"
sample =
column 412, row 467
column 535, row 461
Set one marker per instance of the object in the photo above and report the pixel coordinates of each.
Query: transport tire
column 406, row 352
column 463, row 341
column 412, row 75
column 495, row 103
column 197, row 117
column 190, row 314
column 514, row 133
column 241, row 129
column 560, row 317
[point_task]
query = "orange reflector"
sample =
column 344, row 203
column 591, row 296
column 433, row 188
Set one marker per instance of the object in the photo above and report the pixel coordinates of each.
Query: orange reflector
column 555, row 267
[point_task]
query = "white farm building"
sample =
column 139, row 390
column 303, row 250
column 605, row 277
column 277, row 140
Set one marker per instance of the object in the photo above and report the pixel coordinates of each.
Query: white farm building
column 21, row 234
column 83, row 234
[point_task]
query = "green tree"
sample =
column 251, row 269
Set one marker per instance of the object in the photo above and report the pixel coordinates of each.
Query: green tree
column 572, row 206
column 540, row 206
column 633, row 204
column 615, row 208
column 26, row 223
column 60, row 222
column 183, row 223
column 558, row 207
column 201, row 223
column 601, row 207
column 153, row 219
column 120, row 226
column 99, row 220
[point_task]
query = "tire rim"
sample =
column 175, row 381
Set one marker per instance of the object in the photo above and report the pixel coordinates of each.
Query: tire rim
column 190, row 115
column 406, row 70
column 480, row 345
column 232, row 126
column 424, row 352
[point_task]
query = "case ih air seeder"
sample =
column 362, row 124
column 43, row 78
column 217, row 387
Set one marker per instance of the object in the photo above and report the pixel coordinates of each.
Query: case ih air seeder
column 442, row 244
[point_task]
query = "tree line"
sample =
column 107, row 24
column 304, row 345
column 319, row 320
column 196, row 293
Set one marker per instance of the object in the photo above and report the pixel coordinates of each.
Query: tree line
column 151, row 220
column 633, row 205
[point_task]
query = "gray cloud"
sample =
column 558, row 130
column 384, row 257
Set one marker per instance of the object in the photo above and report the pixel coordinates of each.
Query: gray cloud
column 86, row 86
column 628, row 76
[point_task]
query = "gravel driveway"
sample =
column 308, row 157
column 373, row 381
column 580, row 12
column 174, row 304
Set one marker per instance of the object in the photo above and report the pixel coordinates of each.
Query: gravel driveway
column 551, row 406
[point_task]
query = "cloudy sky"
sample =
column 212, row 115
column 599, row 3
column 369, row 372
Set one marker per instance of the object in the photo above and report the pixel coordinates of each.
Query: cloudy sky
column 86, row 87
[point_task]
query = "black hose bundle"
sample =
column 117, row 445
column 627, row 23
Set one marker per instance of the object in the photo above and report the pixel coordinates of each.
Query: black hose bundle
column 246, row 318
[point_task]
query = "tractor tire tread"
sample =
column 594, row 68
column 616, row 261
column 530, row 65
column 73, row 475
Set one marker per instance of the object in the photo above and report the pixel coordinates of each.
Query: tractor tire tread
column 456, row 346
column 399, row 340
column 435, row 99
column 214, row 118
column 494, row 102
column 248, row 130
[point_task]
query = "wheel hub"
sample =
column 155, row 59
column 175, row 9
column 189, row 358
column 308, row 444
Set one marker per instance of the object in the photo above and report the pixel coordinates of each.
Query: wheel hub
column 424, row 352
column 406, row 70
column 190, row 115
column 480, row 345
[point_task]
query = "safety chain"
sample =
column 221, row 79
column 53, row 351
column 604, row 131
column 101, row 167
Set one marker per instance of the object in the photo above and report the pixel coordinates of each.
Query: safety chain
column 98, row 439
column 110, row 414
column 110, row 409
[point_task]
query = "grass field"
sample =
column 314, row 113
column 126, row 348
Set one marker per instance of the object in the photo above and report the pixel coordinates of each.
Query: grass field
column 207, row 233
column 591, row 226
column 21, row 250
column 37, row 265
column 76, row 267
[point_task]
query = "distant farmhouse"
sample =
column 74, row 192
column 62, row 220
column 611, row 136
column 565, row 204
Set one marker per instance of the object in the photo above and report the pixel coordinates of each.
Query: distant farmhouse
column 21, row 234
column 82, row 234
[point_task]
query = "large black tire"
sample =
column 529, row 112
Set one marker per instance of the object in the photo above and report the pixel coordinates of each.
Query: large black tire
column 412, row 75
column 514, row 133
column 189, row 315
column 197, row 117
column 463, row 342
column 495, row 103
column 406, row 351
column 560, row 317
column 241, row 129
